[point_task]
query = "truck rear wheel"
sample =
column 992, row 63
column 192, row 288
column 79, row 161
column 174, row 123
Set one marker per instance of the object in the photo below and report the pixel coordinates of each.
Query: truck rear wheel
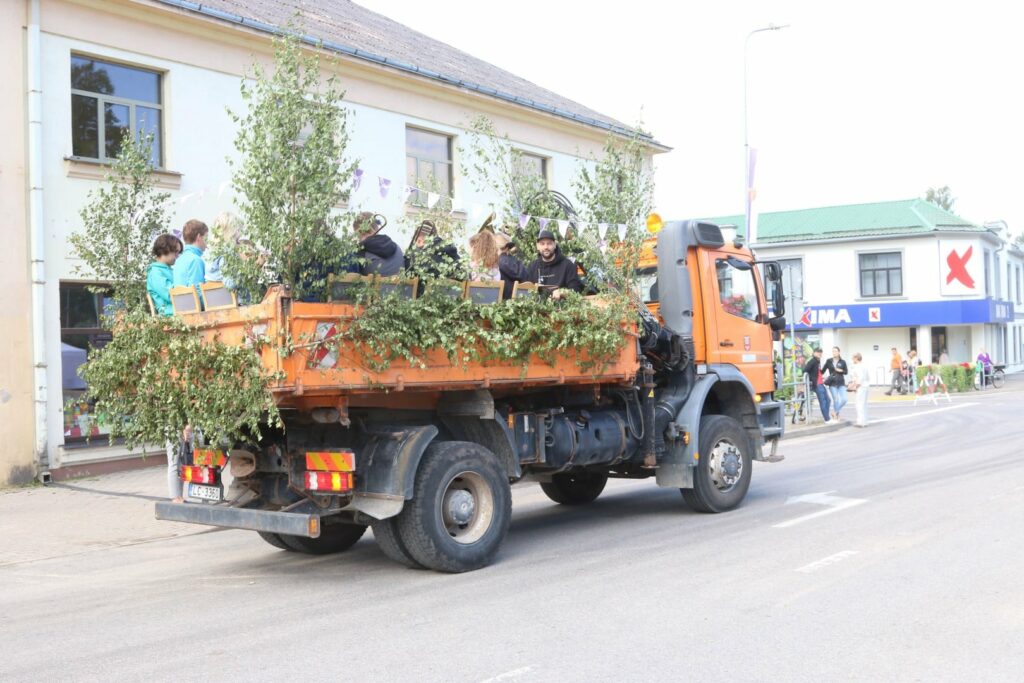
column 275, row 540
column 722, row 475
column 460, row 509
column 575, row 488
column 334, row 538
column 385, row 532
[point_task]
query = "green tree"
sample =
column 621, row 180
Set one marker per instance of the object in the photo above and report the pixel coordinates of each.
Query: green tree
column 120, row 221
column 620, row 186
column 941, row 197
column 158, row 374
column 291, row 175
column 616, row 189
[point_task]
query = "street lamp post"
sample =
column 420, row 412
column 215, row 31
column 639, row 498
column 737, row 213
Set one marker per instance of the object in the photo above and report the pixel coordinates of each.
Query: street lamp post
column 746, row 144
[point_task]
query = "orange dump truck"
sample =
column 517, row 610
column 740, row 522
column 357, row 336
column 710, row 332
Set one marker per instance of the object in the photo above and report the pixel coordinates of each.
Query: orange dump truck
column 426, row 455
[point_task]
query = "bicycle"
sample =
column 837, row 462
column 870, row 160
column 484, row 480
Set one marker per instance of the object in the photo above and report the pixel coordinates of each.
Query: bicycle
column 994, row 378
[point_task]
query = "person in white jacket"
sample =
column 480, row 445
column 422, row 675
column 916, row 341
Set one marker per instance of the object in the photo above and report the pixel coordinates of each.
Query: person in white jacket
column 860, row 379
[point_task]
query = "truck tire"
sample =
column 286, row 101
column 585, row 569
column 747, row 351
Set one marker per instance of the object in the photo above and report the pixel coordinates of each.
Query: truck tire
column 275, row 540
column 385, row 531
column 575, row 488
column 334, row 538
column 460, row 509
column 722, row 475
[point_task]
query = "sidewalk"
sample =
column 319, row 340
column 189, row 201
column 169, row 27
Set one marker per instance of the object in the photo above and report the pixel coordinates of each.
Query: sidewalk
column 84, row 515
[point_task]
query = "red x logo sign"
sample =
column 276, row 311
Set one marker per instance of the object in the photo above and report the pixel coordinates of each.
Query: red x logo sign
column 958, row 267
column 805, row 319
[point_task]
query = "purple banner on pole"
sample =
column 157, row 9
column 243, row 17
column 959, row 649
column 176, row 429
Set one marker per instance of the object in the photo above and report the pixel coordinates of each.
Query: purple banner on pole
column 357, row 179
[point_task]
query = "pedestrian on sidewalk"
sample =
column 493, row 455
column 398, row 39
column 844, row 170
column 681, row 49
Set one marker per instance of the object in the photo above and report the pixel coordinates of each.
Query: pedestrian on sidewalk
column 985, row 362
column 896, row 365
column 814, row 373
column 860, row 382
column 913, row 362
column 837, row 370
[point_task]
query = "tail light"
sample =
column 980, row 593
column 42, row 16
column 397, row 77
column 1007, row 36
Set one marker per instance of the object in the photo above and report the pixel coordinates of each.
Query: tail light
column 331, row 482
column 198, row 474
column 330, row 471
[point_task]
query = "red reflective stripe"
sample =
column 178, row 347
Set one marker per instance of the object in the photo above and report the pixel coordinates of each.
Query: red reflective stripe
column 331, row 461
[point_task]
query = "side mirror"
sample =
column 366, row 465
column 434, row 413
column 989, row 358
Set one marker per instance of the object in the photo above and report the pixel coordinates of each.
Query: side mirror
column 772, row 272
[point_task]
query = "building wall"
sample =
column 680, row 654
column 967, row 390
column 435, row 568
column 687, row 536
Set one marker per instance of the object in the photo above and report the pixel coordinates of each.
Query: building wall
column 17, row 447
column 831, row 278
column 202, row 65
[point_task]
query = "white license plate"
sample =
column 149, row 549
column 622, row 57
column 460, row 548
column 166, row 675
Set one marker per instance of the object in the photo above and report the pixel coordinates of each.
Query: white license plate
column 203, row 492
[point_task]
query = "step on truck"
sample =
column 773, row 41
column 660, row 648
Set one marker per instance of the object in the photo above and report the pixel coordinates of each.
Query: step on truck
column 425, row 454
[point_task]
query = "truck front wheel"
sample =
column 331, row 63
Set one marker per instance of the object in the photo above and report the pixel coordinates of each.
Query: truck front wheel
column 722, row 474
column 575, row 488
column 460, row 509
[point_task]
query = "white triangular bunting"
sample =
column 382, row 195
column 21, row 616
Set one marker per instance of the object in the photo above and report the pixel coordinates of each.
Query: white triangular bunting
column 563, row 227
column 602, row 230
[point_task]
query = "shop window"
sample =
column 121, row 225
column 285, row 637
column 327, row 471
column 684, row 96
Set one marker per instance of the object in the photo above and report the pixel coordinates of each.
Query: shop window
column 881, row 274
column 80, row 330
column 737, row 290
column 428, row 164
column 109, row 101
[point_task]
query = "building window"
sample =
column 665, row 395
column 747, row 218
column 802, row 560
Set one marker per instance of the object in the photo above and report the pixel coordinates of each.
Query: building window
column 532, row 165
column 881, row 274
column 109, row 101
column 80, row 330
column 428, row 164
column 736, row 290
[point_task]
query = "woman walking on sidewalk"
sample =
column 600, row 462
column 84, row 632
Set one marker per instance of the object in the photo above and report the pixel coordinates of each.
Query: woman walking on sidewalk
column 860, row 382
column 836, row 381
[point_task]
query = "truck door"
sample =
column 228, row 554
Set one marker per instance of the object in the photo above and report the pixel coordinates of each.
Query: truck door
column 742, row 336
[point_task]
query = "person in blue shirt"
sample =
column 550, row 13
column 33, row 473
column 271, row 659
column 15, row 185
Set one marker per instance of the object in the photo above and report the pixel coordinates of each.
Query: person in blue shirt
column 190, row 269
column 159, row 277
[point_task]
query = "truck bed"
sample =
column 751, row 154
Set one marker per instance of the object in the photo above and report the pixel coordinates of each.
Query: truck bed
column 314, row 374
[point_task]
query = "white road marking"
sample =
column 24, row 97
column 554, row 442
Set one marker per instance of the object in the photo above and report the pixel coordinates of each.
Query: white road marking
column 508, row 675
column 825, row 562
column 834, row 503
column 908, row 416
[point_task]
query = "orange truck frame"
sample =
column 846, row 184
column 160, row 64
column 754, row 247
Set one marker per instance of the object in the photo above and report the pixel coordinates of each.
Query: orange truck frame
column 426, row 455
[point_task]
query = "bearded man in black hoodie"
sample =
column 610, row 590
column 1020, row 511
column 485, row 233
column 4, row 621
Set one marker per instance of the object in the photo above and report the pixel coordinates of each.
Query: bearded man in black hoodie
column 551, row 270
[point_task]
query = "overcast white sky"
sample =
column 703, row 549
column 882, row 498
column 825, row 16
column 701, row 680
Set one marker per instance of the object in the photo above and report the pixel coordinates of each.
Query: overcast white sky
column 855, row 102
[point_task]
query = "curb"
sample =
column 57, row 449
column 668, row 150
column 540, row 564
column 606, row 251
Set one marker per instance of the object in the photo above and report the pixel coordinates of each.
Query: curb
column 814, row 430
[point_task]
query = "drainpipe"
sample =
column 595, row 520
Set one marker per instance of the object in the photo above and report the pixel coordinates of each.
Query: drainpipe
column 1002, row 231
column 36, row 230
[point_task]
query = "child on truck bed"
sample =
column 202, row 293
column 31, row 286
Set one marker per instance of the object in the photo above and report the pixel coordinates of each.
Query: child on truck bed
column 159, row 276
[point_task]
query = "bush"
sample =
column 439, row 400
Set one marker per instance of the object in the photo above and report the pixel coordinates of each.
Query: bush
column 956, row 377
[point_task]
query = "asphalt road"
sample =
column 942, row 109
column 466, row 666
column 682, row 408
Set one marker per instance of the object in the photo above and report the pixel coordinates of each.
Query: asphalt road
column 902, row 558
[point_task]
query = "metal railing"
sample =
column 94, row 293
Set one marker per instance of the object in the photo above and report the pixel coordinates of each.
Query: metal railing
column 800, row 401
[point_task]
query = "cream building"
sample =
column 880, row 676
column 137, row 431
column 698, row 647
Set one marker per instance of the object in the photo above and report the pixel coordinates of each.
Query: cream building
column 80, row 70
column 904, row 274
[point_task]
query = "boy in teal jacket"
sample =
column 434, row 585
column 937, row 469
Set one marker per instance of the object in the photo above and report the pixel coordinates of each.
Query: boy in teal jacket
column 159, row 276
column 190, row 270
